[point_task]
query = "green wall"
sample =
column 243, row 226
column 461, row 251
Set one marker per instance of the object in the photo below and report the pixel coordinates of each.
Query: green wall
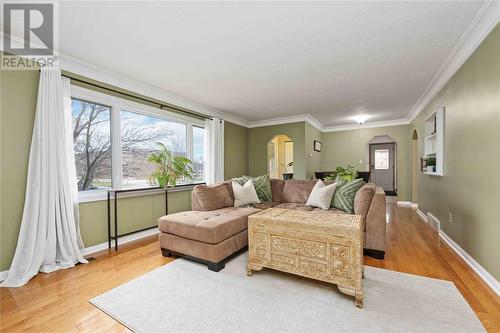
column 469, row 189
column 314, row 159
column 258, row 138
column 349, row 147
column 17, row 113
column 235, row 150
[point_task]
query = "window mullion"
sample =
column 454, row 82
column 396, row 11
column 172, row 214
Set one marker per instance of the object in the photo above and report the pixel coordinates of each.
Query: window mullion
column 116, row 147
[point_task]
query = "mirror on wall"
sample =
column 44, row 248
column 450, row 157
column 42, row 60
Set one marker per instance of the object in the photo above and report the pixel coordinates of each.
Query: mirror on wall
column 280, row 157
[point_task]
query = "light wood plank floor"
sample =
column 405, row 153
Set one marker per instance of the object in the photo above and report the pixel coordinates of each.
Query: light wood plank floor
column 58, row 302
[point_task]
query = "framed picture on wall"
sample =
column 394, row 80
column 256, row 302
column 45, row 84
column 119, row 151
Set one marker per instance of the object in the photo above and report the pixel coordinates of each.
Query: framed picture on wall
column 317, row 145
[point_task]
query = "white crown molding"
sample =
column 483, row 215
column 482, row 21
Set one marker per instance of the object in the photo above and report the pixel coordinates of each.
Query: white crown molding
column 376, row 124
column 287, row 120
column 94, row 72
column 484, row 22
column 80, row 67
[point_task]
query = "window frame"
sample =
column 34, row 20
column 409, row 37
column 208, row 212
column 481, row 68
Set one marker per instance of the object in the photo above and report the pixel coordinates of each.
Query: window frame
column 117, row 104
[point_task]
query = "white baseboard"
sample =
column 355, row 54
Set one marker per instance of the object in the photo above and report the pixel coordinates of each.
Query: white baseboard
column 104, row 246
column 407, row 204
column 121, row 241
column 483, row 274
column 422, row 215
column 434, row 222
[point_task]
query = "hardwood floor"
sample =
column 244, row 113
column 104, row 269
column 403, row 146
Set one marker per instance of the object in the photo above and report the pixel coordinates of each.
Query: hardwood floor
column 58, row 302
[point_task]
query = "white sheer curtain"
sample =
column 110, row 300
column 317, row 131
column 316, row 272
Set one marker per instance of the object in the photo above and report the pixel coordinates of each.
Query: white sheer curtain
column 214, row 151
column 49, row 238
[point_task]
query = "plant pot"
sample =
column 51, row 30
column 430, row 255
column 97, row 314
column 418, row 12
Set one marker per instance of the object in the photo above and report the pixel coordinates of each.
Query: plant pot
column 287, row 176
column 430, row 168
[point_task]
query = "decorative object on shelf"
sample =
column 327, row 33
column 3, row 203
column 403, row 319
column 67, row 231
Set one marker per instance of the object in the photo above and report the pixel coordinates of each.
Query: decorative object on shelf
column 317, row 145
column 347, row 173
column 287, row 176
column 169, row 168
column 432, row 162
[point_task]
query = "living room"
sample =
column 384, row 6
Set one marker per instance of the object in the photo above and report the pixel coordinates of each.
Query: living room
column 250, row 166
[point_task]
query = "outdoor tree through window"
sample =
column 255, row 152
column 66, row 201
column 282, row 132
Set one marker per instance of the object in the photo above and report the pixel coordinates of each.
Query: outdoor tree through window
column 92, row 144
column 140, row 135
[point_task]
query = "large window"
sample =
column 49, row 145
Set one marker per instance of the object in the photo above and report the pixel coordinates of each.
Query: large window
column 113, row 139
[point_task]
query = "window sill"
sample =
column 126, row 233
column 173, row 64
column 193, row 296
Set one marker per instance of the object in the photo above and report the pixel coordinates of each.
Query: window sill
column 102, row 195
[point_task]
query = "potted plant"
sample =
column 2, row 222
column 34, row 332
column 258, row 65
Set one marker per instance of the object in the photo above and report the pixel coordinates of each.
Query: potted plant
column 431, row 164
column 347, row 173
column 169, row 168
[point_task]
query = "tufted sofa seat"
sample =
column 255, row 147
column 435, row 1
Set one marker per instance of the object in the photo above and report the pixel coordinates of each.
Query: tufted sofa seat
column 207, row 226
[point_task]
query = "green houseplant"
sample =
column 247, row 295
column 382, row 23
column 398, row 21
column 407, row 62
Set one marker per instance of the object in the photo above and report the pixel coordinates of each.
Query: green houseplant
column 169, row 168
column 347, row 173
column 431, row 164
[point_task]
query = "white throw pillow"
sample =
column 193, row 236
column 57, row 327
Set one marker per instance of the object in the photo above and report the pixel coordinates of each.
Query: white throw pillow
column 321, row 195
column 244, row 195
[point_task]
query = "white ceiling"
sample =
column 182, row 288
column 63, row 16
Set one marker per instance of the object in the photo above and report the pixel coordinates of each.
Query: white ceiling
column 260, row 60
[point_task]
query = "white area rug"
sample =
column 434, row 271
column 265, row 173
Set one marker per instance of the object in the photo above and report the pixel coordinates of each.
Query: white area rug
column 184, row 296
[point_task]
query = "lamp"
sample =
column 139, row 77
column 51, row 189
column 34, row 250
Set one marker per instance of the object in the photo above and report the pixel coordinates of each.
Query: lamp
column 360, row 119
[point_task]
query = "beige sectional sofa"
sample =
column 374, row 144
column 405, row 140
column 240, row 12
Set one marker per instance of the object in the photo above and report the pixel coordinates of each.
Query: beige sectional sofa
column 211, row 236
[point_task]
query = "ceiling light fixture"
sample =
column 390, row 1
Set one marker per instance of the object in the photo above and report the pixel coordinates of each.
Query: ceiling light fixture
column 360, row 119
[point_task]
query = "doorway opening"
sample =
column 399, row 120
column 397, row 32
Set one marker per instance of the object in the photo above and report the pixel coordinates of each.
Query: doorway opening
column 280, row 157
column 382, row 162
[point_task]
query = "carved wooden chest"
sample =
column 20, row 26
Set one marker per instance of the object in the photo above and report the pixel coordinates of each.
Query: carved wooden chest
column 321, row 245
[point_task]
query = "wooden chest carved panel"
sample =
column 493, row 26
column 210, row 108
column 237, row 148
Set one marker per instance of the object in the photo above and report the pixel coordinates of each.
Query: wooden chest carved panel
column 320, row 244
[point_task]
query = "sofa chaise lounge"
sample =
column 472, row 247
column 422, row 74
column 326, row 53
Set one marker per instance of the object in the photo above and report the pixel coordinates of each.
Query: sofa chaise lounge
column 211, row 236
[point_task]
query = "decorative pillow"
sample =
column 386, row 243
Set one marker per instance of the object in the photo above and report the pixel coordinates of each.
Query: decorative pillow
column 345, row 192
column 244, row 195
column 262, row 186
column 321, row 195
column 213, row 197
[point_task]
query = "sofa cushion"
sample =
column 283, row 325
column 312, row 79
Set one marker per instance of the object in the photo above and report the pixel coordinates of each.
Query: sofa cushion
column 363, row 199
column 345, row 193
column 297, row 191
column 265, row 205
column 212, row 197
column 207, row 226
column 296, row 206
column 277, row 189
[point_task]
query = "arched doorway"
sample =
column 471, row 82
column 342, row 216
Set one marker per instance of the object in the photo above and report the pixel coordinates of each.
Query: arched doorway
column 414, row 166
column 279, row 156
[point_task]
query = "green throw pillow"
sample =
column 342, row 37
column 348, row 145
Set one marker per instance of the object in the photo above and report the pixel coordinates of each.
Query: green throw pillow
column 262, row 186
column 343, row 198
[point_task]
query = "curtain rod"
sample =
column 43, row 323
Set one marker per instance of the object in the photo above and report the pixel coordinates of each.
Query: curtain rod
column 137, row 97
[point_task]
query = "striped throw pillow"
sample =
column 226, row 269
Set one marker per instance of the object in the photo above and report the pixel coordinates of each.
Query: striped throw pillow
column 345, row 192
